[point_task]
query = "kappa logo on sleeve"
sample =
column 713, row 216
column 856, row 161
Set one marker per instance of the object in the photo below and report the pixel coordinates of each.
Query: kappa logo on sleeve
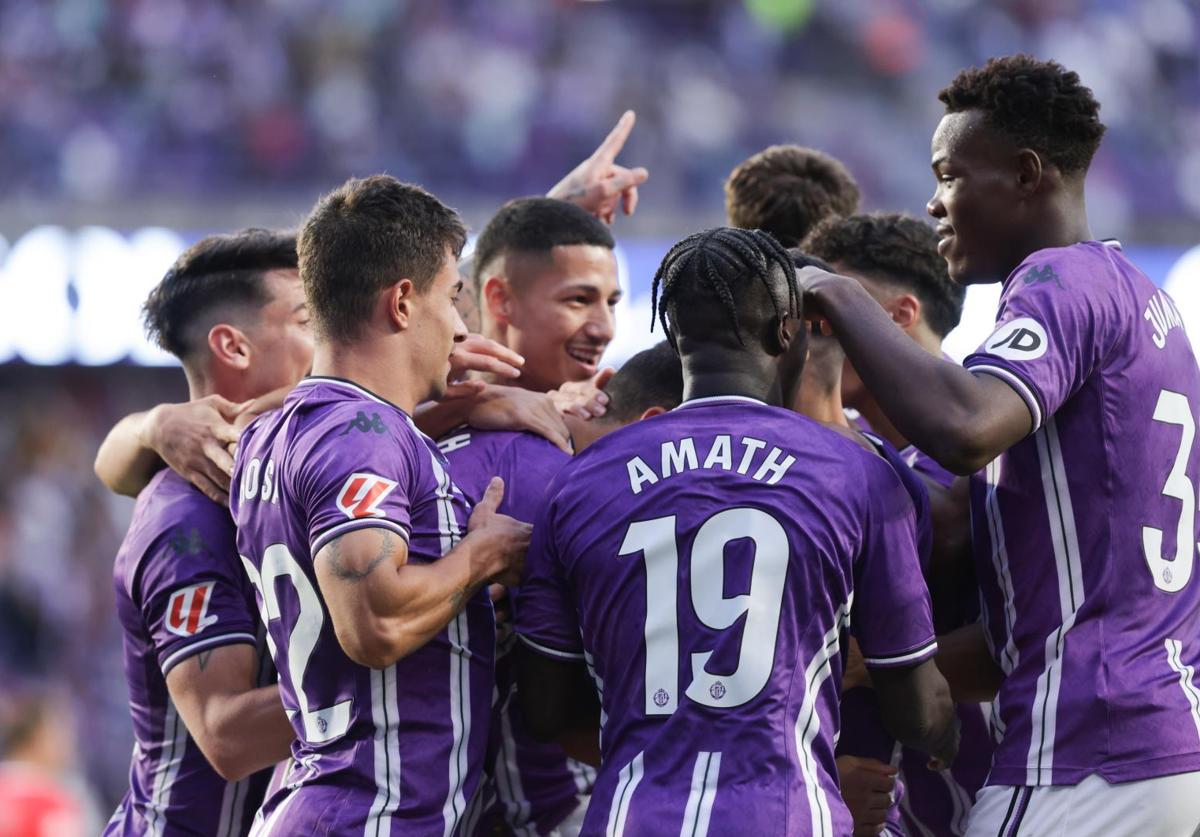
column 362, row 494
column 1019, row 339
column 187, row 611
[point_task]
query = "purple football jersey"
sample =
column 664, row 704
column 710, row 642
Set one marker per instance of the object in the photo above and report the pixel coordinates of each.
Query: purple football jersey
column 387, row 751
column 706, row 574
column 1085, row 531
column 535, row 784
column 180, row 590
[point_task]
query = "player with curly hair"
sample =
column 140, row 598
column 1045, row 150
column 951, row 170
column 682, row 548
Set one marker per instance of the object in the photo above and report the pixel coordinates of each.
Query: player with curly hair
column 1076, row 421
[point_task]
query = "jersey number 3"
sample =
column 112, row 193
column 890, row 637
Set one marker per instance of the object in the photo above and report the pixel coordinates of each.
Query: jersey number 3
column 1172, row 575
column 656, row 541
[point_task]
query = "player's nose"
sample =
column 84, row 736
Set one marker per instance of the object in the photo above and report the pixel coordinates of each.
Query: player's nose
column 934, row 205
column 602, row 324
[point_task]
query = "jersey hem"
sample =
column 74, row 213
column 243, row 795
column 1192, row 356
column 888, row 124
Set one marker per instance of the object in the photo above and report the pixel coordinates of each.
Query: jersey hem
column 1116, row 774
column 550, row 652
column 192, row 648
column 353, row 526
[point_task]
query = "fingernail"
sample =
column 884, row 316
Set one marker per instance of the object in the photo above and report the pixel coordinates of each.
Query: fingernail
column 602, row 397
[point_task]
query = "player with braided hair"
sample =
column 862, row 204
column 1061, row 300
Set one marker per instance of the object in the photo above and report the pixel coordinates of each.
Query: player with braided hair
column 709, row 600
column 1075, row 420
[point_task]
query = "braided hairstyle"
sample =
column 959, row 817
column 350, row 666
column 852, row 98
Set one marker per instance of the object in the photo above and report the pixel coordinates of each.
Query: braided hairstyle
column 721, row 262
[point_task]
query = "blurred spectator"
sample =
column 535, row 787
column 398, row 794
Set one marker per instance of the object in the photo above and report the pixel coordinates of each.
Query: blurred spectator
column 38, row 795
column 108, row 101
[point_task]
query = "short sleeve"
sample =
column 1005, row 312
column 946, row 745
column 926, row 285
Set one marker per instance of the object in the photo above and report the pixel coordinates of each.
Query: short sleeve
column 194, row 595
column 917, row 492
column 1049, row 335
column 546, row 618
column 891, row 616
column 358, row 479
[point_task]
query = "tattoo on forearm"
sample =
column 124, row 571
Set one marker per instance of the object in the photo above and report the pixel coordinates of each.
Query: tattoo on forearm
column 202, row 659
column 343, row 570
column 458, row 599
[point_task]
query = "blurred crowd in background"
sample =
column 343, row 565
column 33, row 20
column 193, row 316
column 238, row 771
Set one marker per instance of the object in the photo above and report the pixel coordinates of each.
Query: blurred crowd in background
column 201, row 99
column 215, row 102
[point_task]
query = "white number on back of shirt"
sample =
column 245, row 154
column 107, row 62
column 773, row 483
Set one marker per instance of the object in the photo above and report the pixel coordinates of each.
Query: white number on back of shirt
column 656, row 541
column 1172, row 574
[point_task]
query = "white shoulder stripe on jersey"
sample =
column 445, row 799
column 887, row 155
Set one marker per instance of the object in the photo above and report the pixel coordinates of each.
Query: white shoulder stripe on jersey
column 1063, row 537
column 179, row 655
column 458, row 636
column 352, row 525
column 548, row 651
column 386, row 753
column 627, row 782
column 171, row 750
column 1023, row 389
column 698, row 811
column 907, row 657
column 1008, row 655
column 1187, row 676
column 808, row 722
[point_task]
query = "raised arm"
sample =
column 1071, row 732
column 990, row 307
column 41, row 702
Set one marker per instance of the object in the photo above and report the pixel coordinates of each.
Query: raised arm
column 191, row 438
column 961, row 419
column 239, row 727
column 384, row 608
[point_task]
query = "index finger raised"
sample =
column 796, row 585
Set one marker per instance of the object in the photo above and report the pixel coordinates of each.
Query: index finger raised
column 615, row 141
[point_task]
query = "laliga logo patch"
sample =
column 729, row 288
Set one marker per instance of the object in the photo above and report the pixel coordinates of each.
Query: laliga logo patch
column 1019, row 339
column 188, row 608
column 362, row 494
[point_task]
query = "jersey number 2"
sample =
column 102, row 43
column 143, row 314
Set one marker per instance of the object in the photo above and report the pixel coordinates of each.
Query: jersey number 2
column 318, row 724
column 1172, row 575
column 656, row 541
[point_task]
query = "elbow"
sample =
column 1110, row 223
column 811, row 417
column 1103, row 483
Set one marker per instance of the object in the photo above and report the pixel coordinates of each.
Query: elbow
column 229, row 767
column 960, row 451
column 226, row 753
column 375, row 645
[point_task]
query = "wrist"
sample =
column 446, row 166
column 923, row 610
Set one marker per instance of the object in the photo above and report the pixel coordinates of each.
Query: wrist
column 149, row 430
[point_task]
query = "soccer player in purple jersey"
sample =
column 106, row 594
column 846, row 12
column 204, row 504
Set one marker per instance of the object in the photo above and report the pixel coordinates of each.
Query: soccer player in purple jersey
column 1076, row 419
column 895, row 258
column 232, row 310
column 719, row 712
column 370, row 575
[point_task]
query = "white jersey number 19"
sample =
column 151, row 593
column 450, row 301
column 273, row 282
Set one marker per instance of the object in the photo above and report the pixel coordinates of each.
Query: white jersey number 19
column 656, row 541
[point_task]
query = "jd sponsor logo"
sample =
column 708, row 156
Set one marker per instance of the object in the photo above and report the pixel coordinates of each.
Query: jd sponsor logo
column 1019, row 339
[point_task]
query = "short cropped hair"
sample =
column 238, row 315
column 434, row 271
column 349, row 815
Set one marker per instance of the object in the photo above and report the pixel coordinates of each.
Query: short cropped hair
column 364, row 237
column 896, row 248
column 651, row 378
column 787, row 190
column 1036, row 104
column 537, row 225
column 214, row 277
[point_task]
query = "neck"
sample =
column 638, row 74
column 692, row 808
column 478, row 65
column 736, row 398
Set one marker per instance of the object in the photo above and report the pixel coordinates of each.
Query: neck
column 377, row 365
column 707, row 374
column 820, row 403
column 1061, row 223
column 230, row 386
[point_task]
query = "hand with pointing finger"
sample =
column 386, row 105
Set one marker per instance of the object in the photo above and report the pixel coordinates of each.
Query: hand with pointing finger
column 599, row 184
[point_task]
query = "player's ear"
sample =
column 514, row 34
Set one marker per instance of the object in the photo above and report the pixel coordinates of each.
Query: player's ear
column 398, row 300
column 1029, row 171
column 905, row 310
column 782, row 334
column 229, row 346
column 651, row 412
column 498, row 298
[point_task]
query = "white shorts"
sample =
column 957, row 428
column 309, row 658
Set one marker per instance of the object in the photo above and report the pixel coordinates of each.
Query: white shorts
column 1168, row 806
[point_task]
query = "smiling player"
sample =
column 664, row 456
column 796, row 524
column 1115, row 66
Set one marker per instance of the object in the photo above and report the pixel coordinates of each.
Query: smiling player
column 1077, row 420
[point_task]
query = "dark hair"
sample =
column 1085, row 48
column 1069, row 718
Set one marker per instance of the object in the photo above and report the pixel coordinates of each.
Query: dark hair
column 651, row 378
column 721, row 264
column 537, row 225
column 895, row 248
column 787, row 190
column 1036, row 104
column 364, row 237
column 214, row 276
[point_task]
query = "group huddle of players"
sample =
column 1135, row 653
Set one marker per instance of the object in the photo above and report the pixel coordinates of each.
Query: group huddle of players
column 419, row 565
